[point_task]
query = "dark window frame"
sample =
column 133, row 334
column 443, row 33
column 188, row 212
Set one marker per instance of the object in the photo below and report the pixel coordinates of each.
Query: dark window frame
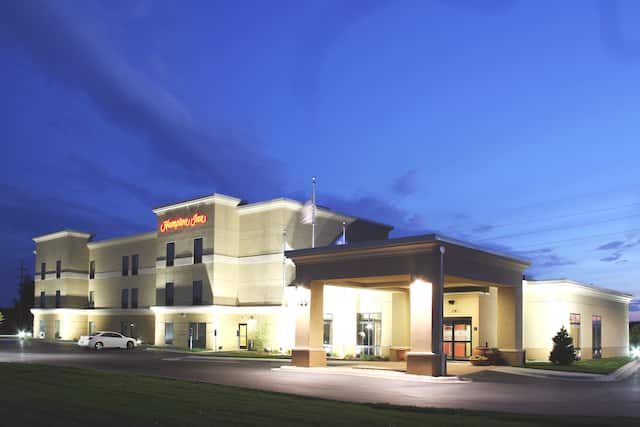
column 43, row 271
column 134, row 297
column 169, row 301
column 170, row 340
column 92, row 269
column 124, row 298
column 58, row 298
column 58, row 269
column 43, row 299
column 196, row 296
column 135, row 264
column 170, row 260
column 125, row 265
column 198, row 249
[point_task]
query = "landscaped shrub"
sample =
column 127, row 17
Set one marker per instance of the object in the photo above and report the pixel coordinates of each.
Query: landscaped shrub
column 563, row 352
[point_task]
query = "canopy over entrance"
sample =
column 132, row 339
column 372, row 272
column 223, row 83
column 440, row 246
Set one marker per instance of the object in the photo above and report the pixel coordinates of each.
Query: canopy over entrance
column 422, row 266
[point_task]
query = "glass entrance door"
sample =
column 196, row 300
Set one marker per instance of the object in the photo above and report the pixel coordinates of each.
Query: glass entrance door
column 369, row 330
column 199, row 334
column 456, row 338
column 242, row 336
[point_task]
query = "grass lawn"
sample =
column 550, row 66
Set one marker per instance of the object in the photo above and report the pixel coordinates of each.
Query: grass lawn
column 595, row 366
column 246, row 354
column 54, row 396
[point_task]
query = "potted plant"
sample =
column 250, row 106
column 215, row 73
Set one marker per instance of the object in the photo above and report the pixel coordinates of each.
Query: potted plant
column 479, row 360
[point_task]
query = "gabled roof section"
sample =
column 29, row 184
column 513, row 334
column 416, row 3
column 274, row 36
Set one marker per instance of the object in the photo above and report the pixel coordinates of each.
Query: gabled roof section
column 215, row 198
column 61, row 234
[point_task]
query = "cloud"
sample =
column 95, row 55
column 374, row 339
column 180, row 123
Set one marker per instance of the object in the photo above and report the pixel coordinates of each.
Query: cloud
column 618, row 248
column 616, row 244
column 405, row 184
column 70, row 51
column 613, row 257
column 482, row 228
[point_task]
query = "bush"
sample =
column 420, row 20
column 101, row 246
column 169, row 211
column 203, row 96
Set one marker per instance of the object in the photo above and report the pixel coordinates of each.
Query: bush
column 563, row 352
column 634, row 336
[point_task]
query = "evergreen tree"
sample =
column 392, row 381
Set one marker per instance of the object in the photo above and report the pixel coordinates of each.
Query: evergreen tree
column 634, row 335
column 563, row 352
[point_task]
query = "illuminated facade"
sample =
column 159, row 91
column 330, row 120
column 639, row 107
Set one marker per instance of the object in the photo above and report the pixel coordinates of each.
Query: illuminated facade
column 221, row 274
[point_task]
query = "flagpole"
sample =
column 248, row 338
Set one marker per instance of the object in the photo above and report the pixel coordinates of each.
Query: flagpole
column 344, row 233
column 313, row 212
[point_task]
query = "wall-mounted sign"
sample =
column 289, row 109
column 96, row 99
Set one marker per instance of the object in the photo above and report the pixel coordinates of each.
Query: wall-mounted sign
column 183, row 222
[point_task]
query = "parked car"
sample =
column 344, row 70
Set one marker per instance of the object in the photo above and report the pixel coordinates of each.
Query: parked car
column 107, row 339
column 84, row 339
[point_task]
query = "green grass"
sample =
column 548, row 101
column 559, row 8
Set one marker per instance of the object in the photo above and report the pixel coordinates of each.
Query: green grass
column 55, row 396
column 246, row 354
column 595, row 366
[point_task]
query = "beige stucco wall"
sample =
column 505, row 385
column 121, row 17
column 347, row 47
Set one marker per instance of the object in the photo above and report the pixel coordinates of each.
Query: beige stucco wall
column 465, row 305
column 548, row 307
column 72, row 326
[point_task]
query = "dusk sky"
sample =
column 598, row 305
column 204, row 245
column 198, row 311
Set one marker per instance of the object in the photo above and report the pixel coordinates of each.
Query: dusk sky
column 513, row 125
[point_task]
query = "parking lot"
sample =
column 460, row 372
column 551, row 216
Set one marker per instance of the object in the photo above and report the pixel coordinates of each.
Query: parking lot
column 485, row 390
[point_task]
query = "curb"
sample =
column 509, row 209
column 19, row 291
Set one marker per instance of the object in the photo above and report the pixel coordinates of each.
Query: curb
column 619, row 374
column 373, row 373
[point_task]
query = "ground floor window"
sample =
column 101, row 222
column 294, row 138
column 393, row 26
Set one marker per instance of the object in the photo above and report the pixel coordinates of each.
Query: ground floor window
column 92, row 328
column 242, row 336
column 56, row 328
column 327, row 329
column 42, row 329
column 369, row 330
column 168, row 333
column 574, row 330
column 596, row 334
column 198, row 335
column 456, row 338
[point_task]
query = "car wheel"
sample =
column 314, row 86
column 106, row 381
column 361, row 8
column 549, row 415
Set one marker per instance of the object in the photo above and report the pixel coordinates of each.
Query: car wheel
column 129, row 345
column 98, row 346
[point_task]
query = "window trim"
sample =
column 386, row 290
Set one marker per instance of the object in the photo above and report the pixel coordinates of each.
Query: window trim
column 92, row 269
column 43, row 271
column 166, row 254
column 201, row 239
column 171, row 285
column 125, row 265
column 124, row 298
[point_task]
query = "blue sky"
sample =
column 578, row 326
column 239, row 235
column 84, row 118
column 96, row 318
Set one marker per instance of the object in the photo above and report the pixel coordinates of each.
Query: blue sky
column 509, row 124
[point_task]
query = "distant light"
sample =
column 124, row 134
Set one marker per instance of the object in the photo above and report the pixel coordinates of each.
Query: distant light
column 138, row 341
column 22, row 334
column 635, row 352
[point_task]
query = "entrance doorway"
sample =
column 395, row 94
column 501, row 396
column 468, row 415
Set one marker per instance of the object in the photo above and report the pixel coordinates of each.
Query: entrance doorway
column 369, row 330
column 199, row 334
column 456, row 338
column 242, row 336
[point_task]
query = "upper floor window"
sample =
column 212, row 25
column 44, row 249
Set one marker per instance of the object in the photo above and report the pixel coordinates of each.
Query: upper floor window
column 197, row 250
column 92, row 269
column 574, row 329
column 197, row 292
column 58, row 299
column 171, row 253
column 134, row 297
column 43, row 270
column 134, row 264
column 58, row 269
column 125, row 265
column 168, row 293
column 43, row 299
column 124, row 298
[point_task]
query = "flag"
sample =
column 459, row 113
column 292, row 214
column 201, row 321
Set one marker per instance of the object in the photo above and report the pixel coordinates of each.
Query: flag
column 308, row 213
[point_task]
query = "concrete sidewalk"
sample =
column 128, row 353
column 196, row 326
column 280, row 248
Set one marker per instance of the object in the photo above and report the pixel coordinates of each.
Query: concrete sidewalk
column 371, row 373
column 617, row 375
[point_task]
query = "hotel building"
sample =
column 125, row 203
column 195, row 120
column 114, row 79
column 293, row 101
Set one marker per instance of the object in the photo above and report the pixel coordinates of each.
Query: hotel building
column 222, row 274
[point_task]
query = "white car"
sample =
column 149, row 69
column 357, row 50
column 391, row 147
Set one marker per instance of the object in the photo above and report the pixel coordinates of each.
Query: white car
column 107, row 339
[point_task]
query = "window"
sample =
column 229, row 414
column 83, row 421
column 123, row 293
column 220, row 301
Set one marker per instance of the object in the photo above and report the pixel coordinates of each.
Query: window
column 197, row 251
column 42, row 329
column 92, row 269
column 369, row 333
column 197, row 292
column 326, row 331
column 56, row 328
column 92, row 302
column 58, row 269
column 596, row 334
column 134, row 265
column 574, row 329
column 168, row 333
column 171, row 253
column 58, row 299
column 43, row 270
column 125, row 298
column 43, row 299
column 125, row 265
column 92, row 328
column 124, row 326
column 168, row 293
column 134, row 297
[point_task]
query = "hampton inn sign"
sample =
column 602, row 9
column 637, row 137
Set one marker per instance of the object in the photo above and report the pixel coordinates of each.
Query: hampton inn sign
column 182, row 222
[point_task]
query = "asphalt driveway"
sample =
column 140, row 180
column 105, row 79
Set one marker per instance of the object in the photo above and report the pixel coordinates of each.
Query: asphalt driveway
column 487, row 390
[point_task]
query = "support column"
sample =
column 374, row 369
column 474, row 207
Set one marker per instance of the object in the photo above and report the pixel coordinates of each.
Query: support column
column 510, row 316
column 308, row 351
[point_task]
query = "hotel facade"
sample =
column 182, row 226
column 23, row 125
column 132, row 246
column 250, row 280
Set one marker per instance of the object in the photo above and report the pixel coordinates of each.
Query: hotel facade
column 222, row 274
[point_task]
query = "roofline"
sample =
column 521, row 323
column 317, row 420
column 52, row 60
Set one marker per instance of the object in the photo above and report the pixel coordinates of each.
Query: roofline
column 401, row 241
column 287, row 203
column 61, row 234
column 564, row 281
column 122, row 240
column 216, row 198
